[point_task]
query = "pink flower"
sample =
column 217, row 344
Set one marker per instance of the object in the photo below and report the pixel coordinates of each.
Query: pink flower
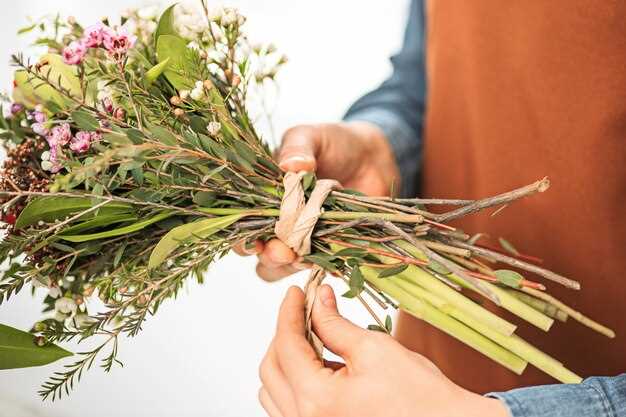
column 118, row 43
column 107, row 104
column 40, row 129
column 74, row 53
column 94, row 35
column 59, row 135
column 81, row 142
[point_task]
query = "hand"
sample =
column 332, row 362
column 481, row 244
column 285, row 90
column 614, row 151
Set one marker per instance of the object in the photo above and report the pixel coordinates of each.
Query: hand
column 356, row 154
column 379, row 377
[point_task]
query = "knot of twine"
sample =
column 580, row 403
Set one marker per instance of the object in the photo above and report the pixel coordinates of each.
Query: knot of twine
column 295, row 226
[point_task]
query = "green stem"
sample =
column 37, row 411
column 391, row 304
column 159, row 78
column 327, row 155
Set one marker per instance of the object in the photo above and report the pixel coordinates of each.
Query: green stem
column 327, row 215
column 507, row 301
column 540, row 305
column 445, row 323
column 451, row 296
column 513, row 343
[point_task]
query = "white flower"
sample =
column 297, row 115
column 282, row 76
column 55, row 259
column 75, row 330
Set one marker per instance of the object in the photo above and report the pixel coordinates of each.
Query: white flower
column 197, row 93
column 193, row 45
column 45, row 156
column 183, row 94
column 46, row 165
column 270, row 48
column 199, row 84
column 60, row 317
column 148, row 12
column 230, row 17
column 54, row 292
column 65, row 305
column 215, row 14
column 82, row 320
column 214, row 128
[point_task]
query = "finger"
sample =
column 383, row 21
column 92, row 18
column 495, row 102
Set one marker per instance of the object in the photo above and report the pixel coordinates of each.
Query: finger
column 268, row 404
column 271, row 274
column 295, row 355
column 337, row 333
column 276, row 385
column 276, row 253
column 243, row 248
column 298, row 149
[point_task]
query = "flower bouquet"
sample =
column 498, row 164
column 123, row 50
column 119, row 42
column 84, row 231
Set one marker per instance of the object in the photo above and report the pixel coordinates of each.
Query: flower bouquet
column 132, row 164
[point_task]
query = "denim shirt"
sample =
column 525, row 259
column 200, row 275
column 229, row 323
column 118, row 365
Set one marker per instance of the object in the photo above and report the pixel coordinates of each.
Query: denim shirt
column 397, row 108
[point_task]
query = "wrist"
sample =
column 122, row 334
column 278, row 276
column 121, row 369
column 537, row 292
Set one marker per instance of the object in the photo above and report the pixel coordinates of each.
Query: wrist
column 475, row 405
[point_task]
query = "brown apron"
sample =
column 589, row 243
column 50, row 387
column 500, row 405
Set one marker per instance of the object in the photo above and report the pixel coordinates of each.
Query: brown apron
column 519, row 90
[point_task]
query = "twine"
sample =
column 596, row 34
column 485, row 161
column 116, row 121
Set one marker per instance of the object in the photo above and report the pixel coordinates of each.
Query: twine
column 295, row 226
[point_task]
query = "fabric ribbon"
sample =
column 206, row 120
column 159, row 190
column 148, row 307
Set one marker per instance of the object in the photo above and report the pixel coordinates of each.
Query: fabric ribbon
column 295, row 226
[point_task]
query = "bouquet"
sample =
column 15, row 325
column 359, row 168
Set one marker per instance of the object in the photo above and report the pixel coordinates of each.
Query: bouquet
column 132, row 164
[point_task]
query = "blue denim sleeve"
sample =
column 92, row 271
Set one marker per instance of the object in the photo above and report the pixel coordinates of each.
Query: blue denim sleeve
column 397, row 106
column 595, row 397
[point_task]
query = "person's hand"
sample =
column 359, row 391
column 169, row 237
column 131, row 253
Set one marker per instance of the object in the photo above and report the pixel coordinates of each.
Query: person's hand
column 380, row 377
column 356, row 154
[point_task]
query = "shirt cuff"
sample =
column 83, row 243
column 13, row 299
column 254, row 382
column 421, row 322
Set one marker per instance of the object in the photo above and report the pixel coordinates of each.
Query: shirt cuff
column 588, row 399
column 406, row 147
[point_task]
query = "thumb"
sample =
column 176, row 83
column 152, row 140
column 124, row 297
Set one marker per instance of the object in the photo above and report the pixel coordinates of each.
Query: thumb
column 338, row 334
column 299, row 148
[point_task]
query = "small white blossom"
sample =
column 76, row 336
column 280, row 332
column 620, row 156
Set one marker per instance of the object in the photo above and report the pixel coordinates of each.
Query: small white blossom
column 40, row 223
column 215, row 14
column 45, row 156
column 230, row 17
column 148, row 12
column 183, row 94
column 60, row 317
column 65, row 305
column 169, row 263
column 193, row 45
column 46, row 165
column 197, row 93
column 82, row 320
column 214, row 128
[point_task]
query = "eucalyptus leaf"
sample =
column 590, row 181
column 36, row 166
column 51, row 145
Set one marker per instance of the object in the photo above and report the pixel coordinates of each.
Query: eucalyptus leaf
column 166, row 23
column 84, row 120
column 351, row 253
column 508, row 246
column 189, row 232
column 509, row 278
column 49, row 209
column 395, row 270
column 19, row 350
column 153, row 73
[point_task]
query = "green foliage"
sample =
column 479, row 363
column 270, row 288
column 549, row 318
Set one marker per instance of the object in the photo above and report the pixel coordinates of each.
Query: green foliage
column 187, row 233
column 153, row 73
column 49, row 209
column 173, row 49
column 19, row 349
column 509, row 278
column 394, row 270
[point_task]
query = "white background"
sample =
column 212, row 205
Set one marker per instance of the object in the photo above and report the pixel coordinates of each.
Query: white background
column 199, row 355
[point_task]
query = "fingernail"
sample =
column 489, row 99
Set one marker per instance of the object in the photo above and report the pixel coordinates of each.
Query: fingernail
column 327, row 297
column 296, row 160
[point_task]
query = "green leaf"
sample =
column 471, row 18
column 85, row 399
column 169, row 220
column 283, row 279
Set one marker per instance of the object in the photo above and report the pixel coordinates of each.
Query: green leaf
column 351, row 253
column 508, row 246
column 438, row 268
column 49, row 209
column 509, row 278
column 153, row 73
column 116, row 139
column 99, row 221
column 135, row 227
column 26, row 29
column 84, row 120
column 308, row 180
column 163, row 135
column 323, row 260
column 174, row 48
column 395, row 270
column 376, row 328
column 204, row 198
column 19, row 350
column 388, row 323
column 189, row 232
column 356, row 281
column 35, row 91
column 166, row 23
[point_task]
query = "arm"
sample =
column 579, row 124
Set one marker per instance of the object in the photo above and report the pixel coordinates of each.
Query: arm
column 397, row 106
